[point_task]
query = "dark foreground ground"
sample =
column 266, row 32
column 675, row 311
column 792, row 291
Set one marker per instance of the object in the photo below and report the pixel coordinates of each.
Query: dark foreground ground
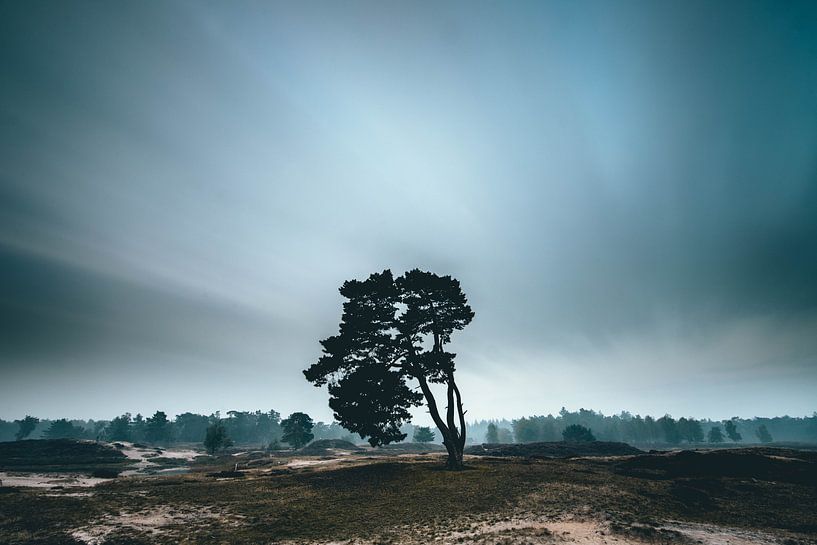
column 734, row 497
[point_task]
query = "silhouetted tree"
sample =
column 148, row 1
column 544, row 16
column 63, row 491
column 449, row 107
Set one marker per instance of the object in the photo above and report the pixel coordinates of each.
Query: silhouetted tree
column 63, row 429
column 576, row 433
column 386, row 329
column 763, row 434
column 157, row 428
column 27, row 425
column 119, row 428
column 732, row 430
column 297, row 429
column 715, row 435
column 216, row 438
column 492, row 435
column 423, row 434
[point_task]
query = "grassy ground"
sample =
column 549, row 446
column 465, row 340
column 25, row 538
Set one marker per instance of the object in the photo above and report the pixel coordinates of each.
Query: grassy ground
column 395, row 499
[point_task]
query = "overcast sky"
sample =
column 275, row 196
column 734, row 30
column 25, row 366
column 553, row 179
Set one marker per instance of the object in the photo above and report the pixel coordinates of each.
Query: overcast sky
column 627, row 192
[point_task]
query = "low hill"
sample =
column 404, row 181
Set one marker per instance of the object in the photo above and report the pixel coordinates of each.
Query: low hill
column 762, row 463
column 57, row 455
column 326, row 447
column 560, row 449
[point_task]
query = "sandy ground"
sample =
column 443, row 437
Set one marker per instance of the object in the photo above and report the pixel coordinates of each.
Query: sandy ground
column 142, row 459
column 160, row 520
column 142, row 465
column 49, row 480
column 513, row 531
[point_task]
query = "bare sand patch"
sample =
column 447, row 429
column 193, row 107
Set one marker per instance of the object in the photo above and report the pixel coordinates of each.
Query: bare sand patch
column 49, row 480
column 151, row 522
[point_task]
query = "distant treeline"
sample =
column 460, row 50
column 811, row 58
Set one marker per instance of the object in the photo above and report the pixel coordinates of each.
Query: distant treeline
column 264, row 428
column 648, row 430
column 243, row 428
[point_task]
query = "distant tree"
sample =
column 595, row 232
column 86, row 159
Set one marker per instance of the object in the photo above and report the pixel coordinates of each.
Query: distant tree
column 297, row 429
column 690, row 430
column 423, row 434
column 715, row 435
column 190, row 427
column 268, row 426
column 505, row 435
column 392, row 331
column 492, row 435
column 157, row 428
column 576, row 433
column 216, row 438
column 763, row 434
column 138, row 428
column 119, row 428
column 527, row 430
column 27, row 425
column 732, row 430
column 670, row 429
column 98, row 428
column 63, row 429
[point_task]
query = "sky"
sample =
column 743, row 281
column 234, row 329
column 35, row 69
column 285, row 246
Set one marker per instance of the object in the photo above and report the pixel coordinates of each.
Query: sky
column 627, row 192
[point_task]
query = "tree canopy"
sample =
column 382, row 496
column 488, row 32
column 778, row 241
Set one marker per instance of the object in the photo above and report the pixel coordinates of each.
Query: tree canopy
column 576, row 433
column 423, row 434
column 297, row 429
column 216, row 438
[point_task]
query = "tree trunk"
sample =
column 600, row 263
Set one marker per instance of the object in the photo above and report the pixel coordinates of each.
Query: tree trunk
column 450, row 438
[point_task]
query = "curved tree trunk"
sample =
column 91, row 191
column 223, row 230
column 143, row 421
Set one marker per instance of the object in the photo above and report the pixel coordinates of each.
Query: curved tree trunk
column 451, row 439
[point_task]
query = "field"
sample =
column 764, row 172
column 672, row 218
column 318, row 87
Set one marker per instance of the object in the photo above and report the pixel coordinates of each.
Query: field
column 735, row 497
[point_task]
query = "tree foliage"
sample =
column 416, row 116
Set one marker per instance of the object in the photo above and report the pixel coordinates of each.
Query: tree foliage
column 576, row 433
column 26, row 426
column 763, row 435
column 216, row 438
column 63, row 429
column 732, row 430
column 297, row 429
column 119, row 428
column 423, row 434
column 715, row 435
column 492, row 435
column 157, row 428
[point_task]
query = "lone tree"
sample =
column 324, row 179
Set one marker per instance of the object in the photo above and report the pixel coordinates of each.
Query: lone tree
column 216, row 438
column 27, row 426
column 393, row 331
column 297, row 429
column 576, row 433
column 423, row 434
